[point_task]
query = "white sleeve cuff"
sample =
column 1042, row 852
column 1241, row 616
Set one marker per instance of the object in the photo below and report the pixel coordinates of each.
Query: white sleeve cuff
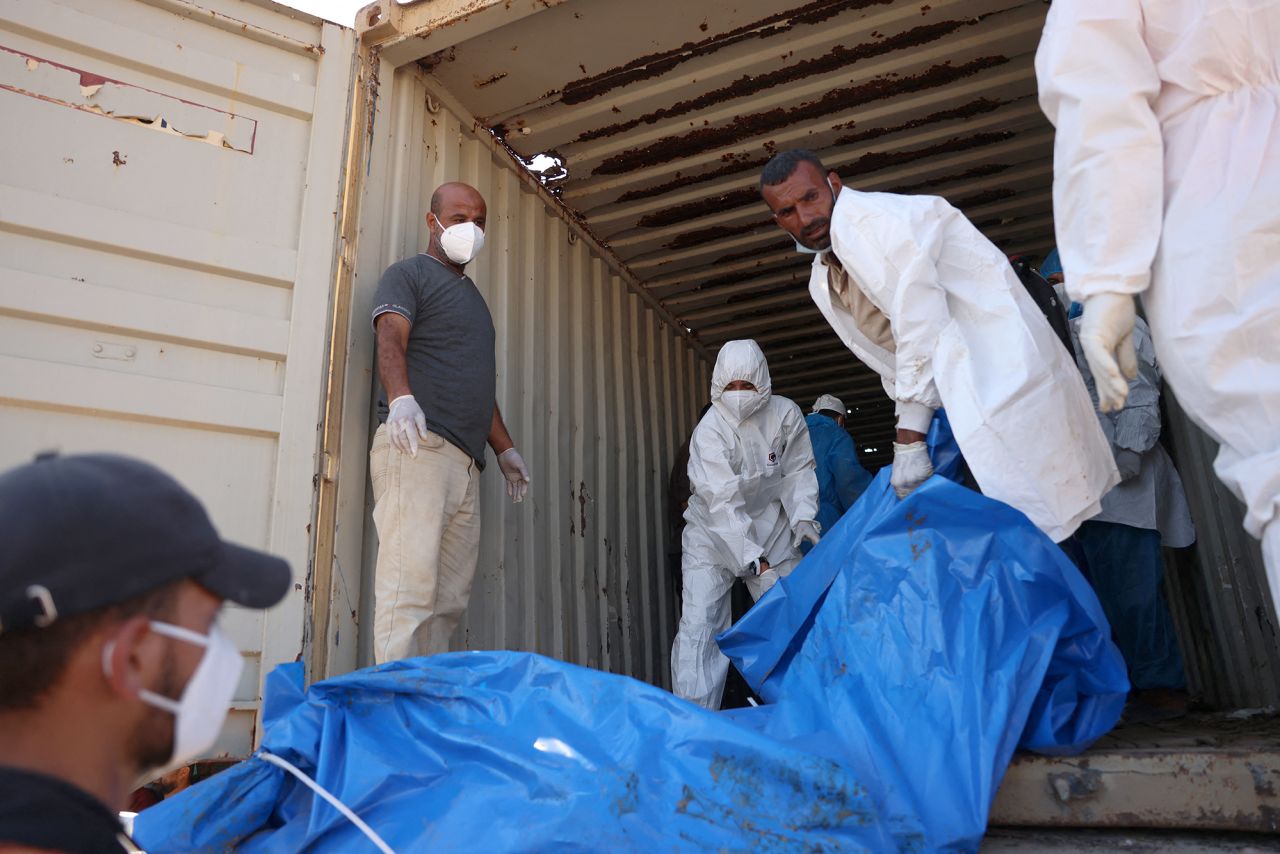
column 914, row 416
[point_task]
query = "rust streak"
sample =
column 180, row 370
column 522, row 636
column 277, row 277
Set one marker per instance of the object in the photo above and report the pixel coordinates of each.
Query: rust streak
column 877, row 160
column 738, row 278
column 871, row 162
column 931, row 187
column 779, row 246
column 981, row 105
column 979, row 199
column 839, row 57
column 656, row 64
column 688, row 180
column 967, row 111
column 744, row 127
column 480, row 84
column 705, row 235
column 702, row 207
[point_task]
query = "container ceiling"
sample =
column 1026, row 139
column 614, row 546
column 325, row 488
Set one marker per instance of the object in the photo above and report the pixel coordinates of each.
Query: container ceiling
column 662, row 113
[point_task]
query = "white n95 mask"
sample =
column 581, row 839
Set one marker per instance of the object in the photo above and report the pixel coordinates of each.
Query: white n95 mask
column 741, row 404
column 462, row 242
column 202, row 709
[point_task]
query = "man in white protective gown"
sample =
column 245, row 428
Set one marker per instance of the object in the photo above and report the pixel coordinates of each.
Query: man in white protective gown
column 754, row 500
column 923, row 299
column 1167, row 184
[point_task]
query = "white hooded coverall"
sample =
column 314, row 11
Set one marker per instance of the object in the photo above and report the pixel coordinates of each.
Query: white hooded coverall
column 752, row 481
column 940, row 315
column 1167, row 184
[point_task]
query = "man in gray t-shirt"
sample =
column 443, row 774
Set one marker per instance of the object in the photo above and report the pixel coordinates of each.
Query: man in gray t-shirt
column 436, row 362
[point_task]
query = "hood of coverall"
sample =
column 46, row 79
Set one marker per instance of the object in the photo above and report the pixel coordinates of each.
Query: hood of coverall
column 740, row 360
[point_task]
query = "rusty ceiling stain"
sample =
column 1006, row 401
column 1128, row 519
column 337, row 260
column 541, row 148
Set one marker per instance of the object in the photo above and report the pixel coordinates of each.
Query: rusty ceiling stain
column 706, row 235
column 657, row 64
column 702, row 207
column 876, row 160
column 986, row 197
column 772, row 248
column 751, row 84
column 489, row 81
column 973, row 108
column 932, row 186
column 689, row 180
column 866, row 164
column 744, row 127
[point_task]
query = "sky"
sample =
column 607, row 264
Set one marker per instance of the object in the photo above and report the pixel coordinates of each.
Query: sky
column 339, row 11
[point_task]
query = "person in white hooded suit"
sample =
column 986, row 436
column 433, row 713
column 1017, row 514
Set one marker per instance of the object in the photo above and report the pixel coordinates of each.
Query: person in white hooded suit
column 754, row 500
column 922, row 298
column 1166, row 183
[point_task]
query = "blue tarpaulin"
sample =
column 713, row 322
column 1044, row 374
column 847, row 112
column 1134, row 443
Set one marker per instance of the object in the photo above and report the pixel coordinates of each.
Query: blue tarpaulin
column 506, row 751
column 903, row 661
column 923, row 640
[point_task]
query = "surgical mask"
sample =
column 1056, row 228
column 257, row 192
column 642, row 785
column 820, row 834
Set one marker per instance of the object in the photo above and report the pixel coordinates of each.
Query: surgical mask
column 800, row 247
column 1060, row 289
column 202, row 709
column 462, row 242
column 740, row 404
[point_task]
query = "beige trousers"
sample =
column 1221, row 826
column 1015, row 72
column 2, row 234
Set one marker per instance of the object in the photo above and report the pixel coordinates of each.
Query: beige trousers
column 427, row 511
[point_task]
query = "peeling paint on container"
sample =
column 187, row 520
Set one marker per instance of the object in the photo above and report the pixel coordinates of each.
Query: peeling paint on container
column 155, row 300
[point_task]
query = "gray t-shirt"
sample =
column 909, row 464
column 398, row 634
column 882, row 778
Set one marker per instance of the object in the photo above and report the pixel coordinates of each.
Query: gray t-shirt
column 450, row 355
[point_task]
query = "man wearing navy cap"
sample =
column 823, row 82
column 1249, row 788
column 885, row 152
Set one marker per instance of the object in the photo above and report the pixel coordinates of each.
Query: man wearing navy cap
column 111, row 659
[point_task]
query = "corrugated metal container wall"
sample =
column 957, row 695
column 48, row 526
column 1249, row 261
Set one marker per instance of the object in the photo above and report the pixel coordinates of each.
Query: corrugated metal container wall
column 168, row 179
column 1218, row 589
column 597, row 391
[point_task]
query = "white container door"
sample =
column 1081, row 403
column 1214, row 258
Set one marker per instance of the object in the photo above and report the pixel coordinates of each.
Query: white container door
column 169, row 182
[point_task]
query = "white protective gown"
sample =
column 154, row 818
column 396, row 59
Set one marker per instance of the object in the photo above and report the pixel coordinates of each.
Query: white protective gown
column 751, row 482
column 1167, row 184
column 1153, row 499
column 967, row 337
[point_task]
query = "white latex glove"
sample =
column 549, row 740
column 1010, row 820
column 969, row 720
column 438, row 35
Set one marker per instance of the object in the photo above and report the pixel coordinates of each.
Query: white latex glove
column 911, row 467
column 1128, row 462
column 516, row 473
column 406, row 425
column 805, row 531
column 1106, row 336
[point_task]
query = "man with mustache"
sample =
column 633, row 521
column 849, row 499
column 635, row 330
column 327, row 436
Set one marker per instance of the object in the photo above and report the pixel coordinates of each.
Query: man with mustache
column 921, row 297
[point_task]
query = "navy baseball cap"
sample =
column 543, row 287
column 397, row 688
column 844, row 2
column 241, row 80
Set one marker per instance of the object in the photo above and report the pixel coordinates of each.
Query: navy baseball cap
column 84, row 532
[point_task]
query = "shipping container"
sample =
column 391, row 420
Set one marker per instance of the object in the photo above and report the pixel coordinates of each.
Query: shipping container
column 197, row 200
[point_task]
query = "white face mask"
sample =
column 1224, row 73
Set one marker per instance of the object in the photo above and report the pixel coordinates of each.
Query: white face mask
column 461, row 242
column 1061, row 290
column 205, row 701
column 740, row 404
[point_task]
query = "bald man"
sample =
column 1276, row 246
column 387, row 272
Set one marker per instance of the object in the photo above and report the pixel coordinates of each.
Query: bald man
column 435, row 340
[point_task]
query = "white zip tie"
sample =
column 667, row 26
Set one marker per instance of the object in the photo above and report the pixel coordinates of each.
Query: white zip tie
column 752, row 701
column 334, row 802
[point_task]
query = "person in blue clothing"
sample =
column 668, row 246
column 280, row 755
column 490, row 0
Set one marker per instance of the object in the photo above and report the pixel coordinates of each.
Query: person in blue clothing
column 841, row 479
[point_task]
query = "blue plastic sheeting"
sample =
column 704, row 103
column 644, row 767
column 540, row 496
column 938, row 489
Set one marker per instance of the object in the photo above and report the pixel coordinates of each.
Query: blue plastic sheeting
column 781, row 619
column 923, row 640
column 944, row 451
column 505, row 751
column 904, row 659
